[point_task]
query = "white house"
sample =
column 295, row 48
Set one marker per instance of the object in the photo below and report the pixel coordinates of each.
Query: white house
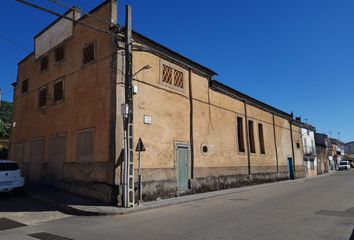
column 309, row 148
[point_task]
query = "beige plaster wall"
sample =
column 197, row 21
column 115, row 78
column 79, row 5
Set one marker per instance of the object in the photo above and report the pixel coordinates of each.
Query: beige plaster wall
column 86, row 98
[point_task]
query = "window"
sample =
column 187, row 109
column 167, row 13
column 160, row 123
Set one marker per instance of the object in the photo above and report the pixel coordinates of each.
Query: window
column 42, row 97
column 167, row 74
column 240, row 140
column 251, row 136
column 261, row 138
column 59, row 53
column 44, row 63
column 25, row 86
column 298, row 145
column 58, row 91
column 172, row 77
column 88, row 53
column 178, row 79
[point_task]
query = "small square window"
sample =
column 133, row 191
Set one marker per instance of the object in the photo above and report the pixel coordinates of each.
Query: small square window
column 58, row 91
column 59, row 53
column 42, row 97
column 88, row 53
column 24, row 86
column 44, row 63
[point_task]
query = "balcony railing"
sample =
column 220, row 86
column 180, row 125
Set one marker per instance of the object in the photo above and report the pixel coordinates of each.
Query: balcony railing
column 309, row 150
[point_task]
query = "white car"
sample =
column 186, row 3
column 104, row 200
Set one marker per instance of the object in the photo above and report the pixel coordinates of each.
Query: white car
column 344, row 165
column 11, row 176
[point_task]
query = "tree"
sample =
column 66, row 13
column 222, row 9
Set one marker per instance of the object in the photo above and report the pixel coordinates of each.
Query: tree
column 5, row 119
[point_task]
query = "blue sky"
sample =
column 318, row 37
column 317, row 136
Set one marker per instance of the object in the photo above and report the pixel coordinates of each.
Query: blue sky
column 295, row 55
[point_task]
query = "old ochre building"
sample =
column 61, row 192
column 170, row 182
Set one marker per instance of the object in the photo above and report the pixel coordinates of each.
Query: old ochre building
column 199, row 134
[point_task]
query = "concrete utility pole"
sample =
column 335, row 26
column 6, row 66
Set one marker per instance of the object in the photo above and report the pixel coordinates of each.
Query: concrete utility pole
column 128, row 123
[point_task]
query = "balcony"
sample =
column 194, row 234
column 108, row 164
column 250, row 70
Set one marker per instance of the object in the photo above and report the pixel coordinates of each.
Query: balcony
column 309, row 150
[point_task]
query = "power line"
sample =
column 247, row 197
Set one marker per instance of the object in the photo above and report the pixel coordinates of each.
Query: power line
column 13, row 43
column 63, row 16
column 82, row 11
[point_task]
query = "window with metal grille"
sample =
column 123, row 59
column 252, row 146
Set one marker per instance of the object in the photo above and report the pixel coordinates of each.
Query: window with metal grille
column 88, row 53
column 172, row 77
column 178, row 79
column 240, row 140
column 59, row 53
column 42, row 97
column 44, row 63
column 251, row 136
column 24, row 86
column 261, row 138
column 167, row 72
column 58, row 91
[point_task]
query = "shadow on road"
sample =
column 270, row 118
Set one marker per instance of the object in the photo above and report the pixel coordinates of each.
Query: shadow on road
column 352, row 237
column 19, row 202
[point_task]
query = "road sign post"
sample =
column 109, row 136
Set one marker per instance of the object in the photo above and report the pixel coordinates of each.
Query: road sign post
column 140, row 148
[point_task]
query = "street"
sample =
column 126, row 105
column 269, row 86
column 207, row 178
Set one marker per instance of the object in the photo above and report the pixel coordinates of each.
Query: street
column 317, row 208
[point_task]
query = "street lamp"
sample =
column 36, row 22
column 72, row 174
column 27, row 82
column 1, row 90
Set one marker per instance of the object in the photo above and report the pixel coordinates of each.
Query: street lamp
column 146, row 67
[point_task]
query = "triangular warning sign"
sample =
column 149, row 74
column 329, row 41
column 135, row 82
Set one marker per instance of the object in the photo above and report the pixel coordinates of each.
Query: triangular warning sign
column 140, row 146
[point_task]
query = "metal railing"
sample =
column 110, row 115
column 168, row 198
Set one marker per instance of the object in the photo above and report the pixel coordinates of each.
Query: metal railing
column 309, row 150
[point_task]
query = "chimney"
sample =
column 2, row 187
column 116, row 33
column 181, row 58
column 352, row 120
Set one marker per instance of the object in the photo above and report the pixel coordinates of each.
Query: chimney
column 298, row 119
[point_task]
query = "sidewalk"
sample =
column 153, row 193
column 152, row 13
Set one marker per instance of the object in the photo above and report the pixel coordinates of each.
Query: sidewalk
column 80, row 206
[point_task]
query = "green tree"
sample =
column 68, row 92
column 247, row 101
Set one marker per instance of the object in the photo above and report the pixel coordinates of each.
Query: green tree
column 5, row 119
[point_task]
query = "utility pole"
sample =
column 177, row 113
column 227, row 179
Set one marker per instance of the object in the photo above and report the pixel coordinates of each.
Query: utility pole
column 128, row 123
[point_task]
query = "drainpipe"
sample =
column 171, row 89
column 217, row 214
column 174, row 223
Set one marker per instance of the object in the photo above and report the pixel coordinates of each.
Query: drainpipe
column 292, row 145
column 247, row 139
column 191, row 137
column 275, row 144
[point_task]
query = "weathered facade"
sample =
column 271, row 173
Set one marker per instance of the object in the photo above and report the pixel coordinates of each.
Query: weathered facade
column 322, row 144
column 199, row 134
column 309, row 148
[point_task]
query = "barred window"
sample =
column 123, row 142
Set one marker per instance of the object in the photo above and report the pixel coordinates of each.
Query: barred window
column 44, row 63
column 172, row 77
column 178, row 79
column 167, row 74
column 88, row 53
column 59, row 53
column 42, row 97
column 58, row 91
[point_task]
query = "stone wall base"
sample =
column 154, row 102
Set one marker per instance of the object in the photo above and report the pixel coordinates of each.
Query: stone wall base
column 153, row 190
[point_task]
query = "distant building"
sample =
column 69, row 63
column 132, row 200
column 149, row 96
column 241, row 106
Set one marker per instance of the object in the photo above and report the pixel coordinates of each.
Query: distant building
column 322, row 150
column 338, row 150
column 349, row 149
column 309, row 147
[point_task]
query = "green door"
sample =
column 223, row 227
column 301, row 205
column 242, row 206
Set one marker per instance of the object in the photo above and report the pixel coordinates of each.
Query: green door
column 182, row 168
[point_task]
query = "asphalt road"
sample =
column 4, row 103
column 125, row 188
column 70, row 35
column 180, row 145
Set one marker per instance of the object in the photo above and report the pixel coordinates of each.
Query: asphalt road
column 319, row 208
